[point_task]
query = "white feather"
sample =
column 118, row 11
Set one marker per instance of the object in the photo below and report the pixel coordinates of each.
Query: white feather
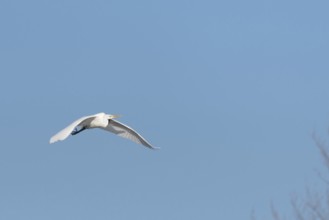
column 106, row 122
column 125, row 131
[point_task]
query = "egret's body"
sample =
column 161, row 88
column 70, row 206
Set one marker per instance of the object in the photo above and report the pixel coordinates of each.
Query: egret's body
column 100, row 121
column 103, row 121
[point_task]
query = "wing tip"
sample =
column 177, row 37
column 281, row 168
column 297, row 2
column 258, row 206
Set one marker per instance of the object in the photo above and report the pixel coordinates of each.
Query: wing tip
column 51, row 141
column 54, row 139
column 153, row 148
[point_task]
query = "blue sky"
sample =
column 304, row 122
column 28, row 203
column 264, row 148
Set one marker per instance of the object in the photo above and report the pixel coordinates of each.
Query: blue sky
column 230, row 90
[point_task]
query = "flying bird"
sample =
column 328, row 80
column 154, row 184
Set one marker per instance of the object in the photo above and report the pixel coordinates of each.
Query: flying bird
column 105, row 122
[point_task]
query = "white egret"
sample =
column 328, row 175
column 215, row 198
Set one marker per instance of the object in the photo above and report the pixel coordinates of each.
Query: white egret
column 103, row 121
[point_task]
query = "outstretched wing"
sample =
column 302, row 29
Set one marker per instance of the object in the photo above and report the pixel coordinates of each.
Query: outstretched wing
column 63, row 134
column 124, row 131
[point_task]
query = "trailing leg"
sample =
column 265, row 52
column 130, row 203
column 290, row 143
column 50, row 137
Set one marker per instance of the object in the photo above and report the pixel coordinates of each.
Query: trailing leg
column 76, row 131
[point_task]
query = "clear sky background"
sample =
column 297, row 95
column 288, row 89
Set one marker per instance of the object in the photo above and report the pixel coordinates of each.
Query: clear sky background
column 230, row 90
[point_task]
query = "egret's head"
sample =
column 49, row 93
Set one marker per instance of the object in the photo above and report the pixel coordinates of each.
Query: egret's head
column 114, row 116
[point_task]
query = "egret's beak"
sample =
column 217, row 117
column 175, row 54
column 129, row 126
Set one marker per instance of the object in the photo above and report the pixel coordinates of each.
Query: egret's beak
column 114, row 116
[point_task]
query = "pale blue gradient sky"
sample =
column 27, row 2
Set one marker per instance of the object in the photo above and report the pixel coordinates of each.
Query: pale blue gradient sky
column 230, row 90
